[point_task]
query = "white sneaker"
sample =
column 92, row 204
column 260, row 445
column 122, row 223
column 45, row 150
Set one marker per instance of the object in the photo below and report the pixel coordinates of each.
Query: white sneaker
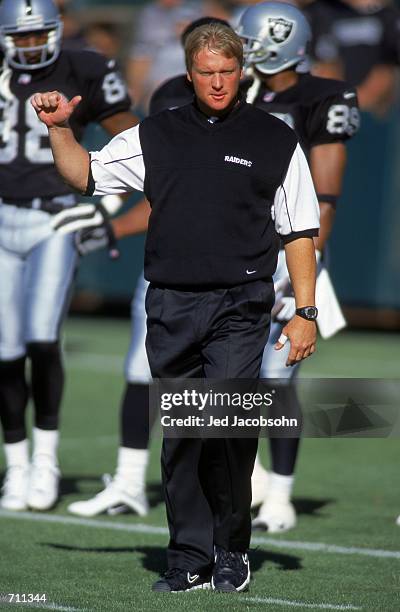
column 113, row 500
column 275, row 516
column 259, row 485
column 43, row 485
column 15, row 488
column 398, row 521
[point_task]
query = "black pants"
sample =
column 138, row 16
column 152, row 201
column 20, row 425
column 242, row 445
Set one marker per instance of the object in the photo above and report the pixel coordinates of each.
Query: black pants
column 207, row 482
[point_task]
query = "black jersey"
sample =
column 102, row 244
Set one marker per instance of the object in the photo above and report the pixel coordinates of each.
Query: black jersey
column 174, row 93
column 26, row 163
column 321, row 111
column 221, row 190
column 360, row 39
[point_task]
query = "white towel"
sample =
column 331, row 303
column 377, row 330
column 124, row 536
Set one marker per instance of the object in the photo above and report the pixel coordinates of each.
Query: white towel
column 330, row 317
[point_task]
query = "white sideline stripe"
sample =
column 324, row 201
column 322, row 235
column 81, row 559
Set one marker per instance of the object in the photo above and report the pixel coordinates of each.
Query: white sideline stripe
column 261, row 600
column 155, row 530
column 327, row 548
column 84, row 522
column 49, row 606
column 299, row 604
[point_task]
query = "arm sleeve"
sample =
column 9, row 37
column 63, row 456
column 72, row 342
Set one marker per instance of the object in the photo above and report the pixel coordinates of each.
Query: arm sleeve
column 119, row 166
column 295, row 209
column 334, row 119
column 104, row 88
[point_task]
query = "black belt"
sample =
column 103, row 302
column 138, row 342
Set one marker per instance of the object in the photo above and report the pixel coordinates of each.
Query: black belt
column 46, row 204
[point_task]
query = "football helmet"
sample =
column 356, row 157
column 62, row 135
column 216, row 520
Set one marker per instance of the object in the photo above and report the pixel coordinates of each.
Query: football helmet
column 37, row 16
column 275, row 36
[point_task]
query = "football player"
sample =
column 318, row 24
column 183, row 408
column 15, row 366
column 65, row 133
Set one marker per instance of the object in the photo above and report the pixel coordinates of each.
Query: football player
column 357, row 40
column 324, row 113
column 37, row 266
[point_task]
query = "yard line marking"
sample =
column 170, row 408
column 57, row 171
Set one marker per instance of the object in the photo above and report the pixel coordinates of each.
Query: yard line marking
column 299, row 604
column 158, row 530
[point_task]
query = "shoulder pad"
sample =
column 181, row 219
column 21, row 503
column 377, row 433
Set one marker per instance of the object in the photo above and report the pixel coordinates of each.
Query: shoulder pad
column 316, row 89
column 89, row 64
column 173, row 93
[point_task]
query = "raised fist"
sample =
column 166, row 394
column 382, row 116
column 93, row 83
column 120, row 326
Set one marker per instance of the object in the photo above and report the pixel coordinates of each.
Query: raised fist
column 53, row 108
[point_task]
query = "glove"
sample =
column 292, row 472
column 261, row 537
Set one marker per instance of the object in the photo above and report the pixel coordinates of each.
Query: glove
column 85, row 215
column 90, row 240
column 92, row 223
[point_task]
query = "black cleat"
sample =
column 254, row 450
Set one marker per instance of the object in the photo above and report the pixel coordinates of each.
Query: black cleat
column 177, row 580
column 231, row 571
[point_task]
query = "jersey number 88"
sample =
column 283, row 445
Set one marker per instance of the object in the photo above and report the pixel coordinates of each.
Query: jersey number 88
column 343, row 119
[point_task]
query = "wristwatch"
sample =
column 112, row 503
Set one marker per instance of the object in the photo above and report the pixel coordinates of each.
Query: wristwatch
column 308, row 312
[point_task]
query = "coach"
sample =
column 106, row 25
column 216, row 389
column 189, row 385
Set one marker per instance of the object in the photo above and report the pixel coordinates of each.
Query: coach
column 226, row 182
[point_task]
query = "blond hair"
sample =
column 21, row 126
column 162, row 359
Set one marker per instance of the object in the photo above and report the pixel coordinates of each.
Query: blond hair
column 215, row 37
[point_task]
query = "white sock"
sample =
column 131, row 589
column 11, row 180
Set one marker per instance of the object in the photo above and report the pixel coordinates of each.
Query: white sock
column 45, row 445
column 131, row 468
column 280, row 487
column 258, row 466
column 17, row 453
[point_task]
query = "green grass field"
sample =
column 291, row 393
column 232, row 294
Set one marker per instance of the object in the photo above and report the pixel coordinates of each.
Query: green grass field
column 344, row 554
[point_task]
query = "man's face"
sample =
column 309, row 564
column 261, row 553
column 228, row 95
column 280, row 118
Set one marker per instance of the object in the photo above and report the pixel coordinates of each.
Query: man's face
column 215, row 80
column 31, row 39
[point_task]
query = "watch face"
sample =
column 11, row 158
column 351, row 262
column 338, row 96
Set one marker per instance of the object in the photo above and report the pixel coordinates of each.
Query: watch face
column 308, row 312
column 311, row 312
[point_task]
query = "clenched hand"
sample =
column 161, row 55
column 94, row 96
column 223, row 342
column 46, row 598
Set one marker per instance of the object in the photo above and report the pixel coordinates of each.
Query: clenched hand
column 53, row 109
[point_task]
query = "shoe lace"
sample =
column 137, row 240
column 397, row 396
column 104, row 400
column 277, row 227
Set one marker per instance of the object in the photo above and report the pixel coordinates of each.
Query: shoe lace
column 227, row 559
column 111, row 496
column 108, row 483
column 111, row 482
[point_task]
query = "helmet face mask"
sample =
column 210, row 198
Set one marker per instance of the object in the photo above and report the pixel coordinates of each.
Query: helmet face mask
column 275, row 36
column 40, row 18
column 255, row 51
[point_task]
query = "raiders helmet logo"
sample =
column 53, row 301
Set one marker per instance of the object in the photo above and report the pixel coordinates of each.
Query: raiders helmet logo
column 279, row 29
